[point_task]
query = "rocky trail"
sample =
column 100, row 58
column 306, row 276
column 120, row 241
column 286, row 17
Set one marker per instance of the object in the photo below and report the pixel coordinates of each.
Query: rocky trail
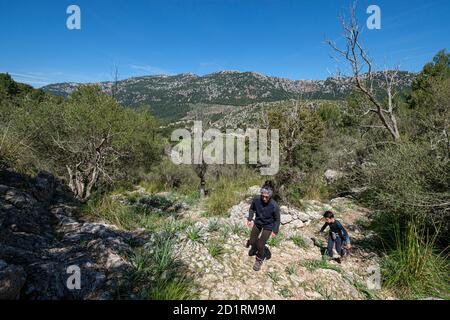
column 296, row 269
column 42, row 234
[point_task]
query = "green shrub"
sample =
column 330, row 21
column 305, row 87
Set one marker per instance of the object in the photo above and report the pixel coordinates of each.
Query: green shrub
column 274, row 276
column 167, row 176
column 240, row 229
column 228, row 191
column 286, row 293
column 173, row 225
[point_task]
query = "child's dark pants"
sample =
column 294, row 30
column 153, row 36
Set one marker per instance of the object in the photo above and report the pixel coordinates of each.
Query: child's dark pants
column 331, row 243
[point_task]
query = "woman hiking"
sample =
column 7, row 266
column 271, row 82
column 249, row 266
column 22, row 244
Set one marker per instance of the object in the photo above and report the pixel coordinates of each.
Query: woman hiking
column 266, row 224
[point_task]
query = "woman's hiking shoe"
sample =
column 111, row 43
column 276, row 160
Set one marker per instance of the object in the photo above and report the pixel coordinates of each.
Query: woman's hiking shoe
column 252, row 252
column 258, row 264
column 267, row 253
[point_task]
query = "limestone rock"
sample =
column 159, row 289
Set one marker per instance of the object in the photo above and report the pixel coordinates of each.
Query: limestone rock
column 332, row 175
column 41, row 236
column 12, row 279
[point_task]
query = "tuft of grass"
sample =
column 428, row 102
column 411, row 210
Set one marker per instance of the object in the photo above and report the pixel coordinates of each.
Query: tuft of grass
column 286, row 293
column 179, row 289
column 324, row 292
column 213, row 226
column 313, row 265
column 369, row 294
column 130, row 217
column 299, row 242
column 120, row 215
column 173, row 226
column 290, row 269
column 157, row 272
column 273, row 275
column 224, row 232
column 275, row 242
column 194, row 234
column 216, row 249
column 240, row 229
column 412, row 268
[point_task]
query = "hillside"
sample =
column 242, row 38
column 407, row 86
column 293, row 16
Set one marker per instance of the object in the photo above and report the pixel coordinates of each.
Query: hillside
column 174, row 96
column 43, row 232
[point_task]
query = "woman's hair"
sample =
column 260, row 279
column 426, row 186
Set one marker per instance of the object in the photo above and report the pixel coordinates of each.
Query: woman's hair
column 267, row 188
column 328, row 214
column 268, row 191
column 268, row 185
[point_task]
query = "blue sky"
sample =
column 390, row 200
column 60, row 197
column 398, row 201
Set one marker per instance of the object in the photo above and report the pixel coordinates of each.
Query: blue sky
column 276, row 37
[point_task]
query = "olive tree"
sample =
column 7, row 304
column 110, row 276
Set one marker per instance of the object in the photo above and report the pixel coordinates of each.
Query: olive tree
column 91, row 138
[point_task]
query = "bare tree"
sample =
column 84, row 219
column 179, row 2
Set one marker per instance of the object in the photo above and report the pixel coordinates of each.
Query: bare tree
column 363, row 74
column 199, row 165
column 115, row 75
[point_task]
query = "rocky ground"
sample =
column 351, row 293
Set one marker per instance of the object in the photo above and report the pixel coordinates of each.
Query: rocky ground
column 296, row 269
column 42, row 234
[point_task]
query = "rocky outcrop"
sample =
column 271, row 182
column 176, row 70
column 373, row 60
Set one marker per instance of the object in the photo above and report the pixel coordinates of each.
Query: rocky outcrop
column 41, row 236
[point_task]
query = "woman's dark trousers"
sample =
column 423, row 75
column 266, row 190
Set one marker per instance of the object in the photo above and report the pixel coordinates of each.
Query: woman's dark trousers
column 258, row 239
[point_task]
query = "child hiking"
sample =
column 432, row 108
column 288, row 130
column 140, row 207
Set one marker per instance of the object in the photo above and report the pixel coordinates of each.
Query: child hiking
column 337, row 236
column 266, row 224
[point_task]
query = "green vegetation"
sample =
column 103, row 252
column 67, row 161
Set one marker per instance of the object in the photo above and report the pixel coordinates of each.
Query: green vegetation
column 228, row 190
column 313, row 265
column 407, row 183
column 299, row 241
column 240, row 229
column 214, row 226
column 291, row 270
column 216, row 249
column 276, row 241
column 285, row 293
column 193, row 234
column 302, row 134
column 88, row 139
column 129, row 217
column 158, row 275
column 274, row 276
column 101, row 149
column 413, row 268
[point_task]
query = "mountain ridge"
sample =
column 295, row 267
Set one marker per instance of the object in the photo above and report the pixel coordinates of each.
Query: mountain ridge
column 172, row 96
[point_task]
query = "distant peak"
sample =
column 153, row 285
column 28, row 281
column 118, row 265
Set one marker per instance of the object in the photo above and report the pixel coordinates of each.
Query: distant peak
column 227, row 72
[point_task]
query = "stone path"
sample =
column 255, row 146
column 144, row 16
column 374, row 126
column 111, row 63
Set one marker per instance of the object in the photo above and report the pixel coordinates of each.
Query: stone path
column 293, row 272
